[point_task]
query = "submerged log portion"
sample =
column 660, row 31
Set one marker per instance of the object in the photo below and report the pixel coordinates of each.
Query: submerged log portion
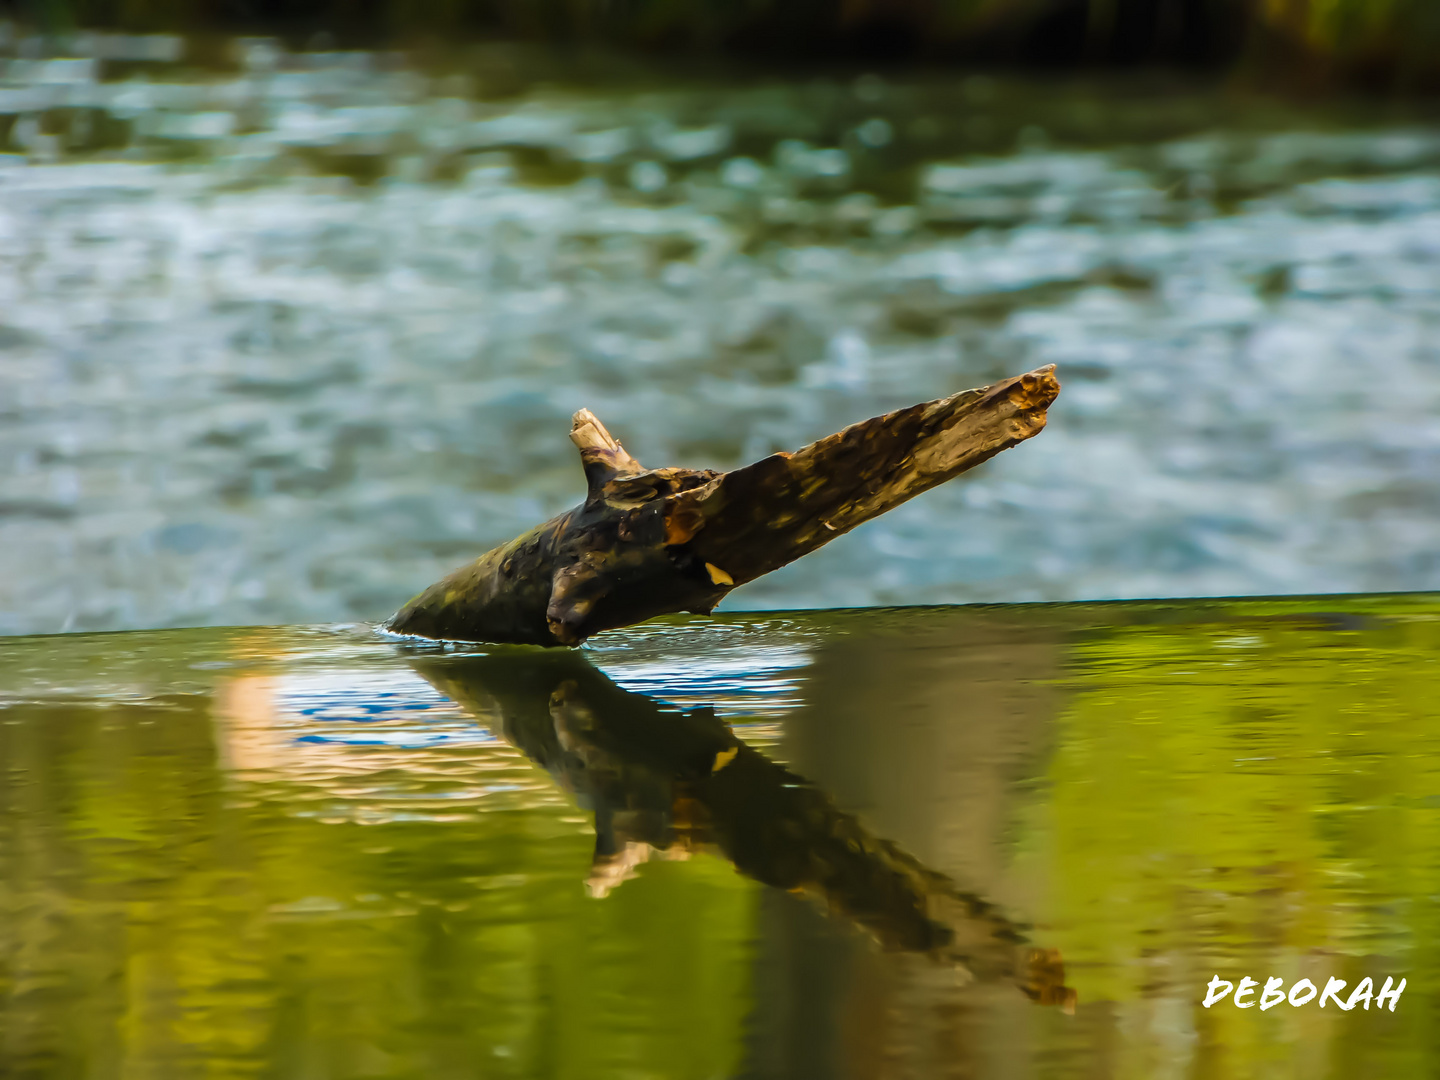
column 648, row 542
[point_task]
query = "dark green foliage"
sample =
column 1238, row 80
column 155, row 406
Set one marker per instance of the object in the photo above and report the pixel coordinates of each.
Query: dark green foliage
column 1379, row 42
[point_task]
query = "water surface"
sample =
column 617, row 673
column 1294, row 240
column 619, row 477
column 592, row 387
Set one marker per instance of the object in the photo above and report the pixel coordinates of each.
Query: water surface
column 785, row 845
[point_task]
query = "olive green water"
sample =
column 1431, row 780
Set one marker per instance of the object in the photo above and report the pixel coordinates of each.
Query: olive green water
column 316, row 853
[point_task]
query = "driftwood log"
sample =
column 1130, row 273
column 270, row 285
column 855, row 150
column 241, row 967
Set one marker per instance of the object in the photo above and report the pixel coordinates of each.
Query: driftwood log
column 648, row 542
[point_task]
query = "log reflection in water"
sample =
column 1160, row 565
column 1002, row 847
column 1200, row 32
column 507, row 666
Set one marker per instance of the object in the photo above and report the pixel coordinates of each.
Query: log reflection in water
column 670, row 782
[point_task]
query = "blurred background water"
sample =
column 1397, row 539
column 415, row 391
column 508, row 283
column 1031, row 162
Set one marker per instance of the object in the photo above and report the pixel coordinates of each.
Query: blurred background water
column 288, row 332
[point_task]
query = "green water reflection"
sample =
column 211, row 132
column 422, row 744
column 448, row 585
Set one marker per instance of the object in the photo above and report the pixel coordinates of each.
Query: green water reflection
column 313, row 853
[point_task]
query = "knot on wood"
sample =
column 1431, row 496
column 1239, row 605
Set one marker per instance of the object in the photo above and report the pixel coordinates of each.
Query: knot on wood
column 1036, row 389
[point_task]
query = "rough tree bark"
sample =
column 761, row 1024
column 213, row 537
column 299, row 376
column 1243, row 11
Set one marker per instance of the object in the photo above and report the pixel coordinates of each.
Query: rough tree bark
column 650, row 542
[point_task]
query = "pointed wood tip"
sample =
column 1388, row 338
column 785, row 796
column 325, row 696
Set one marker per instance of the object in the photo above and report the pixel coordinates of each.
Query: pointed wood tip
column 588, row 433
column 1032, row 392
column 600, row 452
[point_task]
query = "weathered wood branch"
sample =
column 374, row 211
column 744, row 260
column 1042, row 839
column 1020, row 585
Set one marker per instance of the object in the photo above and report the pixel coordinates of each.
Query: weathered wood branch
column 647, row 542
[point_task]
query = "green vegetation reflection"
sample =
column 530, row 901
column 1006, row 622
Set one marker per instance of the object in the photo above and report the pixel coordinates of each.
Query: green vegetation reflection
column 214, row 859
column 1251, row 789
column 154, row 915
